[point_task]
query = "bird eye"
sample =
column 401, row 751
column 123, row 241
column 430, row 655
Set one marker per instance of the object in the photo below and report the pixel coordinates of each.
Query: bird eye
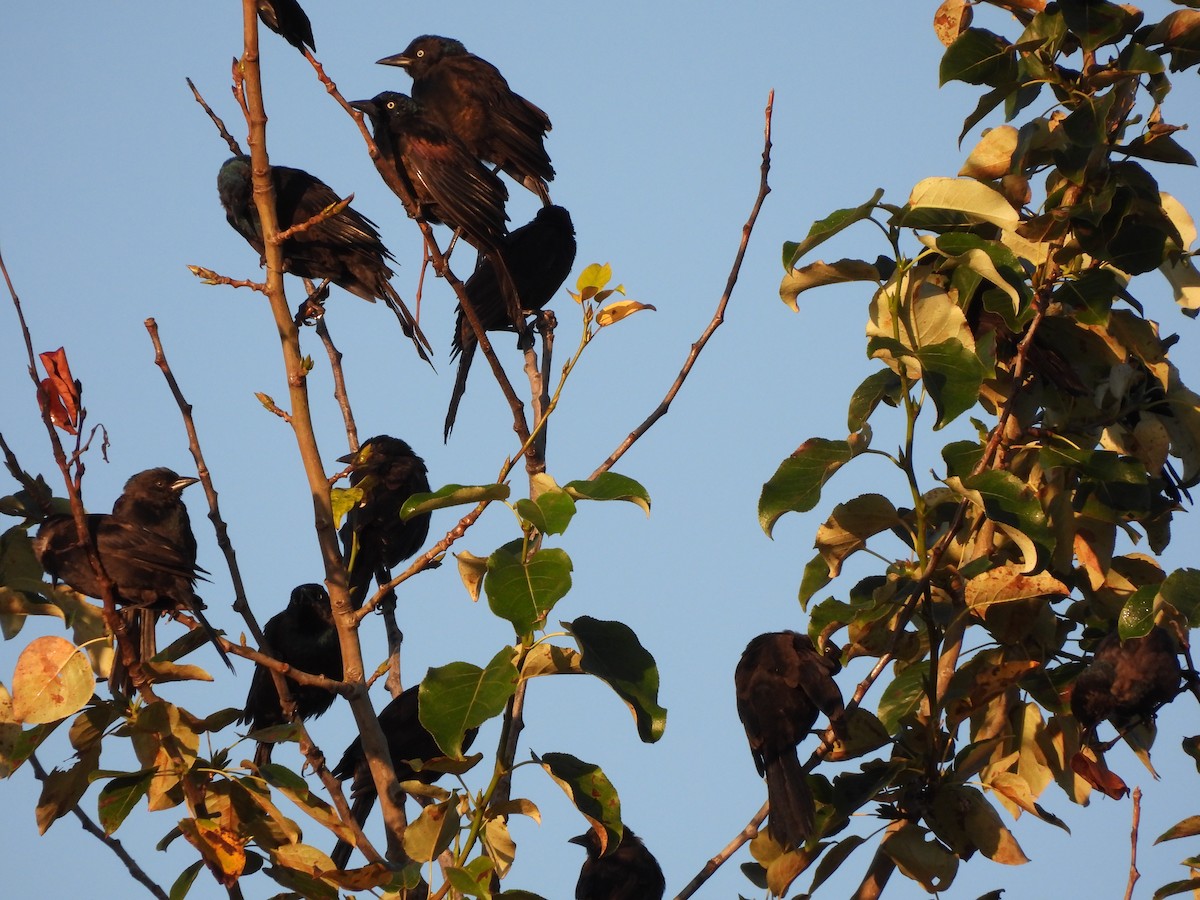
column 420, row 53
column 391, row 104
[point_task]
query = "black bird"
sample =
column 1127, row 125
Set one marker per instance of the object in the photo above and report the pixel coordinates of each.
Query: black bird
column 407, row 740
column 286, row 18
column 146, row 547
column 344, row 249
column 304, row 637
column 782, row 683
column 469, row 97
column 374, row 537
column 538, row 257
column 449, row 184
column 627, row 872
column 1127, row 681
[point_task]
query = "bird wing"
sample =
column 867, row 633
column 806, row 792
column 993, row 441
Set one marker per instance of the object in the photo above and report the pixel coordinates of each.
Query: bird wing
column 466, row 194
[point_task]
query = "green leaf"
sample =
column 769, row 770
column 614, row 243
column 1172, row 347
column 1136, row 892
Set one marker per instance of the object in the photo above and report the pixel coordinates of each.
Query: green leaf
column 1010, row 501
column 609, row 486
column 522, row 589
column 1094, row 22
column 816, row 576
column 884, row 386
column 817, row 274
column 978, row 56
column 953, row 376
column 1189, row 827
column 612, row 652
column 1190, row 886
column 1137, row 615
column 452, row 495
column 344, row 500
column 928, row 863
column 555, row 507
column 796, row 484
column 457, row 697
column 120, row 796
column 1182, row 590
column 832, row 861
column 183, row 884
column 586, row 785
column 823, row 229
column 296, row 789
column 901, row 696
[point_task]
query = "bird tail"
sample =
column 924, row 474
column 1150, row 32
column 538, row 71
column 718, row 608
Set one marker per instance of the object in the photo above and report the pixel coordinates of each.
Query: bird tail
column 791, row 800
column 139, row 626
column 460, row 385
column 262, row 753
column 212, row 635
column 408, row 322
column 360, row 809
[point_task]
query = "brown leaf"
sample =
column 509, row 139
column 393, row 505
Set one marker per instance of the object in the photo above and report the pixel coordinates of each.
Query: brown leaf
column 58, row 393
column 1098, row 775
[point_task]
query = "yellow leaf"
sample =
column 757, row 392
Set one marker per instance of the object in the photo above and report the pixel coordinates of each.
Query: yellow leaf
column 53, row 679
column 615, row 312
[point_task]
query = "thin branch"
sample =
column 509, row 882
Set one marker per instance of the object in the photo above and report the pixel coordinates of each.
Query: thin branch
column 743, row 837
column 240, row 603
column 110, row 842
column 234, row 147
column 339, row 384
column 1134, row 874
column 208, row 276
column 719, row 316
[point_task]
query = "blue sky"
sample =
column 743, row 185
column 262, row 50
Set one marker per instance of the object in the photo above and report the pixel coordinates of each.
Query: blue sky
column 108, row 193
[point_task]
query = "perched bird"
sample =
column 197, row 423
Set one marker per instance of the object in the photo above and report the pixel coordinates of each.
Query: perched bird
column 304, row 637
column 344, row 249
column 374, row 537
column 1127, row 681
column 286, row 18
column 626, row 872
column 146, row 547
column 407, row 740
column 449, row 184
column 782, row 683
column 538, row 256
column 469, row 97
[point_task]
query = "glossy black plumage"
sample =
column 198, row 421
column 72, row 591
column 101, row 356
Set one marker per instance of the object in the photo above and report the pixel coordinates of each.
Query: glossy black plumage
column 287, row 19
column 628, row 872
column 303, row 636
column 538, row 256
column 407, row 739
column 345, row 249
column 470, row 99
column 782, row 682
column 374, row 537
column 449, row 184
column 146, row 547
column 1127, row 682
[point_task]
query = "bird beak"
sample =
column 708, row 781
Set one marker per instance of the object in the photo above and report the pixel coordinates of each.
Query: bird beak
column 580, row 839
column 369, row 108
column 178, row 486
column 398, row 60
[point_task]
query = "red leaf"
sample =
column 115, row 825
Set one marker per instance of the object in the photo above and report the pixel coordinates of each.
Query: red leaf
column 58, row 393
column 1098, row 776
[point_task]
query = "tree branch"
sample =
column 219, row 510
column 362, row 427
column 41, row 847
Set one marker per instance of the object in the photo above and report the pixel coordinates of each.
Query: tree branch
column 719, row 316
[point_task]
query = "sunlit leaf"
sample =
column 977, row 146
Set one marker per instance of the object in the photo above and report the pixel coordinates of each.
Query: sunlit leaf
column 796, row 484
column 523, row 589
column 452, row 495
column 52, row 680
column 823, row 229
column 459, row 696
column 817, row 274
column 612, row 652
column 586, row 785
column 610, row 486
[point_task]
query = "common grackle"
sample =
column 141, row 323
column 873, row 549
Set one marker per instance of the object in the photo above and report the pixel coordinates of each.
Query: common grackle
column 782, row 683
column 344, row 248
column 146, row 547
column 304, row 637
column 449, row 184
column 469, row 97
column 287, row 19
column 374, row 537
column 407, row 739
column 538, row 256
column 1127, row 681
column 627, row 872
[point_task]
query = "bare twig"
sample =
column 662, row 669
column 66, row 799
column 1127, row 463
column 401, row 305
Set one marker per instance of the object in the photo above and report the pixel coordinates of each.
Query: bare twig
column 328, row 212
column 1134, row 874
column 208, row 276
column 339, row 384
column 110, row 842
column 234, row 147
column 719, row 316
column 743, row 837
